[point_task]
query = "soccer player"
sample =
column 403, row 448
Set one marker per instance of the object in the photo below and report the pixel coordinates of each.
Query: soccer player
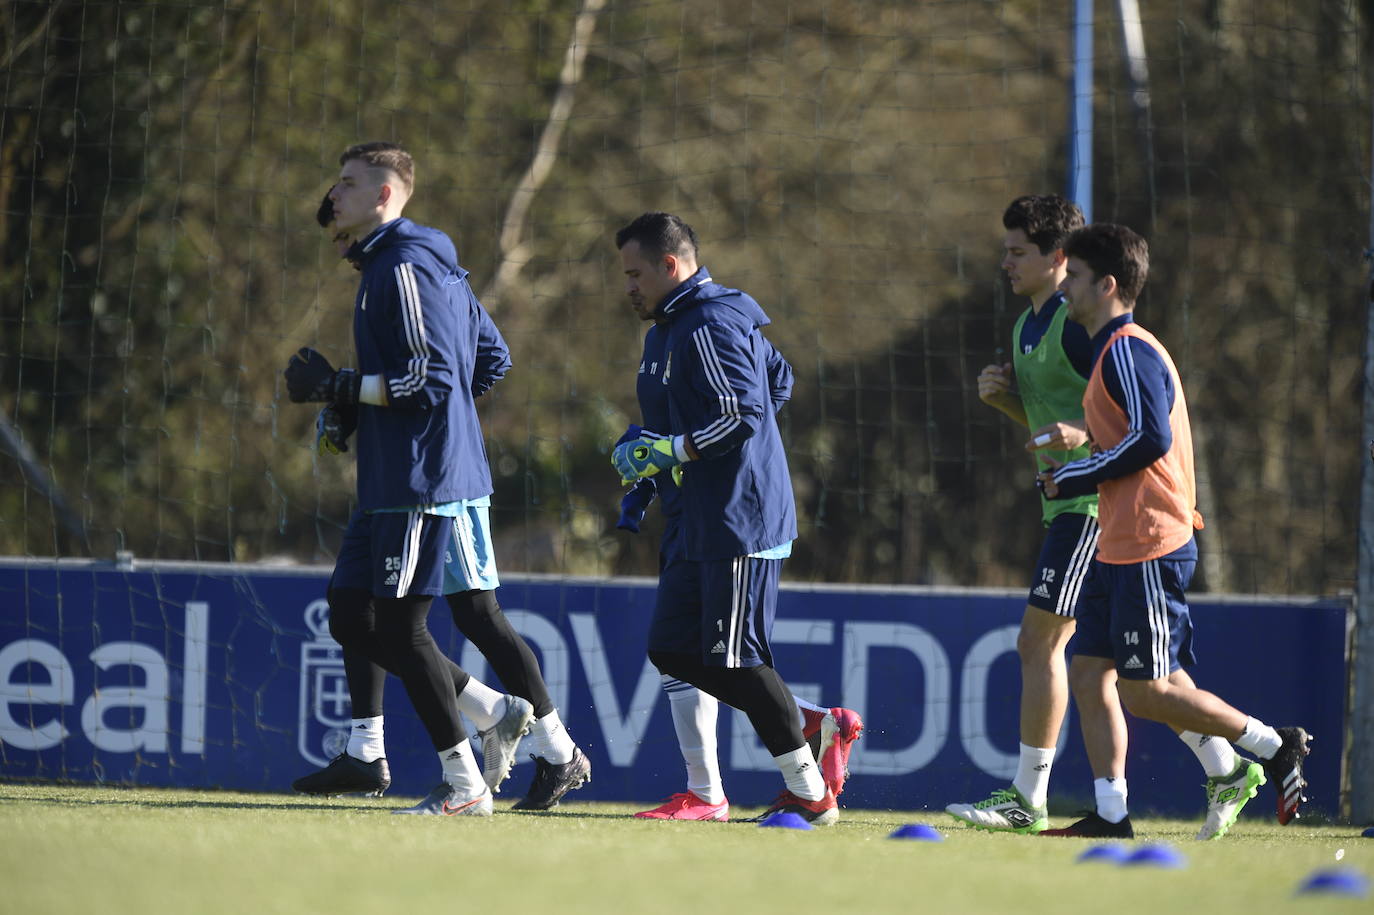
column 1042, row 389
column 422, row 339
column 738, row 520
column 830, row 733
column 1134, row 629
column 470, row 580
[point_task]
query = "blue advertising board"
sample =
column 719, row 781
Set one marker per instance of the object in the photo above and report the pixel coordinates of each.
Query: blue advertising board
column 199, row 675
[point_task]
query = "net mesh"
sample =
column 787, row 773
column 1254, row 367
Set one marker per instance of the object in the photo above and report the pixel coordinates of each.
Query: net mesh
column 846, row 164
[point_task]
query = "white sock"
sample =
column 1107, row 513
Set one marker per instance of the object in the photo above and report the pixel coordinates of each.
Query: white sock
column 1111, row 798
column 802, row 775
column 694, row 720
column 551, row 740
column 1215, row 754
column 365, row 739
column 1033, row 774
column 460, row 769
column 1259, row 738
column 483, row 705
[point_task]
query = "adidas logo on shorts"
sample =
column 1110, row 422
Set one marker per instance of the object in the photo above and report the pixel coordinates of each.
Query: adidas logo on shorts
column 1133, row 663
column 1041, row 591
column 718, row 648
column 392, row 579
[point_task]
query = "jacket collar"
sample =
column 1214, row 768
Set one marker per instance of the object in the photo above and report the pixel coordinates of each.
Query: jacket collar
column 358, row 252
column 681, row 297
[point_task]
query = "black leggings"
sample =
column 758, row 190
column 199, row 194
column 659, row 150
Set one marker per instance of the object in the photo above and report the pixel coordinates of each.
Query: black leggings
column 757, row 691
column 479, row 618
column 391, row 634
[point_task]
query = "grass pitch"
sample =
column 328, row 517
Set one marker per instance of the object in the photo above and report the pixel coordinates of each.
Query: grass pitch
column 87, row 849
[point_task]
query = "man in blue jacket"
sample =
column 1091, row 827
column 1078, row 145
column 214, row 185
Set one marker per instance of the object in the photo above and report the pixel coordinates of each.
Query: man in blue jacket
column 426, row 348
column 829, row 732
column 737, row 515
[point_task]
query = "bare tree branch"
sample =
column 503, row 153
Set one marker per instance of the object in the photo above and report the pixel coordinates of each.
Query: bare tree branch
column 514, row 252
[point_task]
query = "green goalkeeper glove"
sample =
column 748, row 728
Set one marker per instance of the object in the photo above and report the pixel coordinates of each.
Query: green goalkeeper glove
column 643, row 457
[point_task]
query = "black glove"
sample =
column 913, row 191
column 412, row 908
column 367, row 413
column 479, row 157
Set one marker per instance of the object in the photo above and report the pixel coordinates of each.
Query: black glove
column 333, row 427
column 311, row 379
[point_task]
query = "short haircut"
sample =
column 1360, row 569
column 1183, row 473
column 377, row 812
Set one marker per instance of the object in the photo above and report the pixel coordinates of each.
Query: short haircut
column 659, row 234
column 1112, row 250
column 325, row 214
column 1047, row 219
column 385, row 155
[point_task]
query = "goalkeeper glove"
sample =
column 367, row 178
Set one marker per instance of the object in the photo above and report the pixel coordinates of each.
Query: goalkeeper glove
column 633, row 506
column 333, row 427
column 311, row 379
column 643, row 457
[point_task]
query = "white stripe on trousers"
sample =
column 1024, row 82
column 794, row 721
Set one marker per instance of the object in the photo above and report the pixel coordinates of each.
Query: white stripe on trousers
column 1079, row 564
column 410, row 552
column 1157, row 602
column 465, row 548
column 739, row 599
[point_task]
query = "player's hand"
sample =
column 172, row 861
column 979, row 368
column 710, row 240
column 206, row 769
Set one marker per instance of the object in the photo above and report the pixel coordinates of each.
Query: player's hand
column 333, row 427
column 633, row 506
column 311, row 379
column 1060, row 436
column 994, row 385
column 643, row 457
column 1045, row 478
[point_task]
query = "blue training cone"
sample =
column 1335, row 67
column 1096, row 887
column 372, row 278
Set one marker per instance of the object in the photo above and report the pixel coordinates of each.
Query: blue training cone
column 787, row 821
column 1156, row 854
column 1368, row 833
column 1338, row 882
column 1113, row 852
column 918, row 831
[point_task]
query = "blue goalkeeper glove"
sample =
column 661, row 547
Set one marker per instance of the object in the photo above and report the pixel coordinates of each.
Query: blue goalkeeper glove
column 635, row 503
column 643, row 457
column 311, row 379
column 333, row 427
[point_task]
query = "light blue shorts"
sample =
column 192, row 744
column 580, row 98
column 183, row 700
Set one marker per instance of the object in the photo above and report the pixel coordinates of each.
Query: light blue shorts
column 470, row 562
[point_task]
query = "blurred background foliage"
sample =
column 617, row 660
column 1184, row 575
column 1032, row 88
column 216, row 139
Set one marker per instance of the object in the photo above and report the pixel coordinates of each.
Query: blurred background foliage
column 844, row 162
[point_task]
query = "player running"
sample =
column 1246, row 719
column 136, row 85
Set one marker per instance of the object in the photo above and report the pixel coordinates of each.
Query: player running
column 738, row 519
column 426, row 348
column 1134, row 629
column 829, row 732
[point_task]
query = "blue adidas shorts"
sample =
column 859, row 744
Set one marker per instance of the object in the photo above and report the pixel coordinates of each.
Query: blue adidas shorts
column 393, row 554
column 1137, row 615
column 720, row 609
column 1066, row 556
column 470, row 562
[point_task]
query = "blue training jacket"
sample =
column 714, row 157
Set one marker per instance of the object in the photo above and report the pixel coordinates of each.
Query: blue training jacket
column 656, row 416
column 737, row 499
column 417, row 323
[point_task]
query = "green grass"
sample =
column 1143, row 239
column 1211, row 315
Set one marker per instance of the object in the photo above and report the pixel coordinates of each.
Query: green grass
column 102, row 850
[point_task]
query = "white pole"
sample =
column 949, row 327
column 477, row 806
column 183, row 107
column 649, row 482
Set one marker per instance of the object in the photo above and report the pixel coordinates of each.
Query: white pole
column 1081, row 146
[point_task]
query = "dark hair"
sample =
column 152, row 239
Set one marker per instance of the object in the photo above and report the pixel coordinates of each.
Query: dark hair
column 1047, row 219
column 325, row 214
column 381, row 154
column 1112, row 250
column 659, row 234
